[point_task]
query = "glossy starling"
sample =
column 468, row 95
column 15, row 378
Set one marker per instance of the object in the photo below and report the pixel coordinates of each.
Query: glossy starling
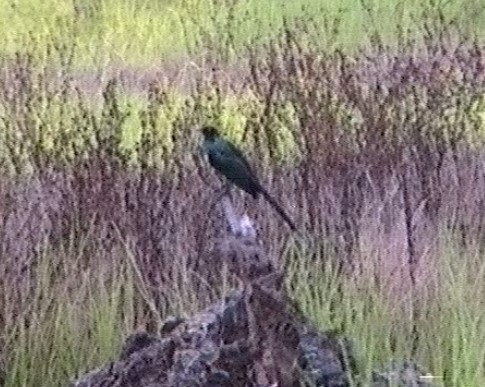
column 228, row 160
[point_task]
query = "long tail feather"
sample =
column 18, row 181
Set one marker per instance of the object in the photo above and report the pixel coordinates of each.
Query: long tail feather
column 278, row 208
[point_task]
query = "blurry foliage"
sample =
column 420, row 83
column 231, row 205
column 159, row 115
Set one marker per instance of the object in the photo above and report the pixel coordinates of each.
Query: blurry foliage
column 49, row 121
column 94, row 176
column 135, row 32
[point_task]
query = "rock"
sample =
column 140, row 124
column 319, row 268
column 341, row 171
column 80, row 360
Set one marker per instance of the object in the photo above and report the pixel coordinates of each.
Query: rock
column 401, row 374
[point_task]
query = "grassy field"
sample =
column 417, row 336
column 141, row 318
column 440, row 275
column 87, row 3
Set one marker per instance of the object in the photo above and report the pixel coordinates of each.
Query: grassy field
column 135, row 33
column 53, row 340
column 376, row 151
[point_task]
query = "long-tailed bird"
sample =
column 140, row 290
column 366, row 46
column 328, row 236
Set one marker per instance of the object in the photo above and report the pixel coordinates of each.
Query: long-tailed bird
column 228, row 160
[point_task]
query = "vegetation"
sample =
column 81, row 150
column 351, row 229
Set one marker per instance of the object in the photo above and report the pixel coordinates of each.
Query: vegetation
column 143, row 33
column 374, row 133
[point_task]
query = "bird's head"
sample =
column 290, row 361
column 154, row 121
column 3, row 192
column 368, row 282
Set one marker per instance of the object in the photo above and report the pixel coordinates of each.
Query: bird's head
column 210, row 132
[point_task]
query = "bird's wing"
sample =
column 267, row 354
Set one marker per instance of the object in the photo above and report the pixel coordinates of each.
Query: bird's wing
column 235, row 150
column 229, row 160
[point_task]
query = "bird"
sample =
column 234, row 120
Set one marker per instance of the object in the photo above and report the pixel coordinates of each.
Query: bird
column 229, row 161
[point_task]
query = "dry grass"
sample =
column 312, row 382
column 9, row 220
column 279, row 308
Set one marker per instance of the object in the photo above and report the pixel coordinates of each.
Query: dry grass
column 377, row 156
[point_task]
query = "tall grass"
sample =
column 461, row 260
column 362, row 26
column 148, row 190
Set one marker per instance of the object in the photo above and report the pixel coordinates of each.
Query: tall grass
column 377, row 154
column 366, row 306
column 138, row 33
column 76, row 318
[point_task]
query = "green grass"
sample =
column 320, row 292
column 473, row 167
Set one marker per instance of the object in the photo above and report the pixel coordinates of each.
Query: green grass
column 80, row 304
column 72, row 320
column 376, row 318
column 143, row 33
column 84, row 328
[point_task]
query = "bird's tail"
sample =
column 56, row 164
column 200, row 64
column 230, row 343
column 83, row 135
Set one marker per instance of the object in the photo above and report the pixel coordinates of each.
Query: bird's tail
column 278, row 208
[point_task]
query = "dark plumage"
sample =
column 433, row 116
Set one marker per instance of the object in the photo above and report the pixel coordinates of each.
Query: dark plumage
column 228, row 160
